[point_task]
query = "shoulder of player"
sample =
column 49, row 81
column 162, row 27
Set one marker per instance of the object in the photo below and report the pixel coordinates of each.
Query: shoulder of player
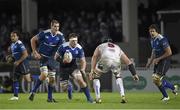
column 60, row 33
column 19, row 42
column 161, row 37
column 46, row 31
column 79, row 46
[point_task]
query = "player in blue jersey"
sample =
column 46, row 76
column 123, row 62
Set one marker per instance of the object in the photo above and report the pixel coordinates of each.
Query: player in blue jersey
column 21, row 66
column 48, row 41
column 160, row 57
column 70, row 67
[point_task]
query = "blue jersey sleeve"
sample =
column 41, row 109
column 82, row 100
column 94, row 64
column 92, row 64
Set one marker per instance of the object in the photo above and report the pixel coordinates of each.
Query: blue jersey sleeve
column 81, row 53
column 164, row 43
column 22, row 47
column 60, row 50
column 40, row 36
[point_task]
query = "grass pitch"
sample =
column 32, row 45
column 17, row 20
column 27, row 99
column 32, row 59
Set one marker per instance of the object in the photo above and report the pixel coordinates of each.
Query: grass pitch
column 136, row 100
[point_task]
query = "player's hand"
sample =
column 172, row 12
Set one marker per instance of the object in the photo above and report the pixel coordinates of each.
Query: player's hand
column 156, row 61
column 136, row 77
column 91, row 75
column 16, row 63
column 36, row 55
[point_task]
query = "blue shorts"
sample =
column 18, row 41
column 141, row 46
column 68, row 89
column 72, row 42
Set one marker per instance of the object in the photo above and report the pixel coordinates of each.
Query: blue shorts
column 66, row 72
column 162, row 67
column 49, row 62
column 21, row 69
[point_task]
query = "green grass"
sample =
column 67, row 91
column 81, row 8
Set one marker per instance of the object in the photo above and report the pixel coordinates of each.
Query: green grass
column 136, row 100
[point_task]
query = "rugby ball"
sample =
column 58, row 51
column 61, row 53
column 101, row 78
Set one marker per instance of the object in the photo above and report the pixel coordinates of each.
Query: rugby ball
column 67, row 58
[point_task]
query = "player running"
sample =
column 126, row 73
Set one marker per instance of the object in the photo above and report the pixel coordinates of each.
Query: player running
column 48, row 41
column 21, row 66
column 68, row 65
column 160, row 57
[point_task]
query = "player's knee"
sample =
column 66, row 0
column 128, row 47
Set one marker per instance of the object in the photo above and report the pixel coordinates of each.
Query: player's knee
column 44, row 71
column 52, row 74
column 156, row 79
column 81, row 81
column 51, row 80
column 64, row 85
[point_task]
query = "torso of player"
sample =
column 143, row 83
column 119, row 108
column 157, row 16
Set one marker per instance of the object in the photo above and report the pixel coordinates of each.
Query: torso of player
column 49, row 43
column 77, row 52
column 110, row 52
column 159, row 44
column 17, row 48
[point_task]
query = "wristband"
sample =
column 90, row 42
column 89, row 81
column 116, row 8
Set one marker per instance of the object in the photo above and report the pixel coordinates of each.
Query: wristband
column 132, row 69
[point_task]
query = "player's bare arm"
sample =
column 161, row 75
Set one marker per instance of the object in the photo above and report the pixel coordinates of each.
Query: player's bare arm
column 130, row 65
column 93, row 62
column 34, row 41
column 82, row 64
column 151, row 59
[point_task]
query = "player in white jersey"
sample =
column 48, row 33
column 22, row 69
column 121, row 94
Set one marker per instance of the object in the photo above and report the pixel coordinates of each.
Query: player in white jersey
column 107, row 57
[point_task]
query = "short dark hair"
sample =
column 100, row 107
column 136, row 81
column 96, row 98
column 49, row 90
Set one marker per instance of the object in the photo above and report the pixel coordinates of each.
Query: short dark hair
column 107, row 40
column 17, row 33
column 73, row 35
column 155, row 26
column 54, row 22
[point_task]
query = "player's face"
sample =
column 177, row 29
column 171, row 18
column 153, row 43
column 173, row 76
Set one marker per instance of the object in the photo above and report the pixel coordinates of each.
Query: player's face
column 55, row 28
column 153, row 33
column 14, row 37
column 73, row 42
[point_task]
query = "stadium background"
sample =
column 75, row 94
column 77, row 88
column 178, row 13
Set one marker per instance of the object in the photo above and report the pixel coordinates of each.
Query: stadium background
column 125, row 21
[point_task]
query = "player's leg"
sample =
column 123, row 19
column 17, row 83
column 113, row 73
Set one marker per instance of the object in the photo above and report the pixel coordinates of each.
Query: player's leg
column 16, row 77
column 120, row 86
column 159, row 71
column 165, row 82
column 65, row 83
column 78, row 77
column 97, row 86
column 51, row 84
column 42, row 77
column 69, row 90
column 157, row 80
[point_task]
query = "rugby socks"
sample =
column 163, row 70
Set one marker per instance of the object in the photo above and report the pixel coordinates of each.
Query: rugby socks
column 16, row 88
column 119, row 83
column 87, row 93
column 50, row 90
column 167, row 84
column 38, row 83
column 96, row 86
column 70, row 89
column 163, row 91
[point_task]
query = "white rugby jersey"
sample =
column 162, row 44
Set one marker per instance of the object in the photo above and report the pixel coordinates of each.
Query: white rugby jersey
column 110, row 51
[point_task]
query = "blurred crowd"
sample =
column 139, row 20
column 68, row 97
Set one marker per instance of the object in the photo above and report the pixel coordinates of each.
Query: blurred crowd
column 92, row 25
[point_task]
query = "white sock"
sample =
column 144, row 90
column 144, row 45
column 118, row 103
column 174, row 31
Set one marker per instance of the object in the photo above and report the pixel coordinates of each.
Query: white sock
column 96, row 86
column 119, row 83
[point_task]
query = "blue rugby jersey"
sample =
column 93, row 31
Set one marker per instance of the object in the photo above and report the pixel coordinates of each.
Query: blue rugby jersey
column 76, row 52
column 17, row 48
column 158, row 45
column 49, row 43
